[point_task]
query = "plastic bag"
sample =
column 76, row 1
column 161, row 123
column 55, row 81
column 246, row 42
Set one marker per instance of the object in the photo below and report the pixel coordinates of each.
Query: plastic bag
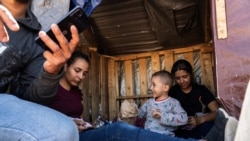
column 128, row 109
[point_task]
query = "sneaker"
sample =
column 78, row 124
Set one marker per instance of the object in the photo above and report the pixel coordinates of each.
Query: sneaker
column 230, row 129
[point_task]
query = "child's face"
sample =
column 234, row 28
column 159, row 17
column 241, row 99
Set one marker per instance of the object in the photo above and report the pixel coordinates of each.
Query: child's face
column 158, row 88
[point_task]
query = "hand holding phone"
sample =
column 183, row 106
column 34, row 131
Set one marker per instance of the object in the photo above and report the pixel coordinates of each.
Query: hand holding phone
column 75, row 17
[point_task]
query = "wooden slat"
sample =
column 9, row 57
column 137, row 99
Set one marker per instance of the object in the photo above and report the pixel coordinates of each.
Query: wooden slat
column 112, row 88
column 207, row 70
column 95, row 97
column 190, row 58
column 148, row 54
column 85, row 93
column 143, row 77
column 85, row 96
column 207, row 49
column 221, row 19
column 186, row 55
column 134, row 97
column 155, row 61
column 103, row 85
column 169, row 60
column 184, row 50
column 128, row 78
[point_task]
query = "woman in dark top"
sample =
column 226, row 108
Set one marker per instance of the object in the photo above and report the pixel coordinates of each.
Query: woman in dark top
column 68, row 100
column 199, row 103
column 68, row 97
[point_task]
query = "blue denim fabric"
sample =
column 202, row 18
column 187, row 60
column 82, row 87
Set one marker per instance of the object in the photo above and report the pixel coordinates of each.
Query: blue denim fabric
column 87, row 5
column 217, row 132
column 25, row 121
column 198, row 132
column 121, row 131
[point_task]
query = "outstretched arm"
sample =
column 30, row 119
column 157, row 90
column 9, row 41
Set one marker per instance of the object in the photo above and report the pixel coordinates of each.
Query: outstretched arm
column 43, row 89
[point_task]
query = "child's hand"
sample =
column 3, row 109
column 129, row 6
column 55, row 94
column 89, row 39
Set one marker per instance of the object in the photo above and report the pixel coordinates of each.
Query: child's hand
column 156, row 113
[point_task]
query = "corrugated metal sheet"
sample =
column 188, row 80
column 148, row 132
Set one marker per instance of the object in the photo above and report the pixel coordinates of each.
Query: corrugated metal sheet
column 123, row 27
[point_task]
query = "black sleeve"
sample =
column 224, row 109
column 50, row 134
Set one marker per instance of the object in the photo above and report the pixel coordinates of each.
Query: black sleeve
column 207, row 95
column 3, row 89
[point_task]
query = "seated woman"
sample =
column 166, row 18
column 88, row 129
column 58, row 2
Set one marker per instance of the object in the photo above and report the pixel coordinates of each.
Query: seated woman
column 68, row 100
column 199, row 103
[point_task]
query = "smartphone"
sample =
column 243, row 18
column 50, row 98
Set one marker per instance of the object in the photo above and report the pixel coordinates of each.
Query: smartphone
column 76, row 17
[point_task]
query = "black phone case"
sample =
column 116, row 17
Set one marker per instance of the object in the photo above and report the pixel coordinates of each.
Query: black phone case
column 75, row 17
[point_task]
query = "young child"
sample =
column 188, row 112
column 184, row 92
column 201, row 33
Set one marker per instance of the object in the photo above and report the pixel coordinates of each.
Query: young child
column 163, row 113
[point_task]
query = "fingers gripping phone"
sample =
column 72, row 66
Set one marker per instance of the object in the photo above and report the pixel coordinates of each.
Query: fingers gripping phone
column 75, row 17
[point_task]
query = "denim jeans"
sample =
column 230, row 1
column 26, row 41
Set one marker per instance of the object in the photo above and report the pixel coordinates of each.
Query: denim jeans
column 26, row 121
column 121, row 131
column 197, row 133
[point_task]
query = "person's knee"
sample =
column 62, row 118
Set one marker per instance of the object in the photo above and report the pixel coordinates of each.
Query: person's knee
column 121, row 125
column 7, row 97
column 40, row 121
column 67, row 131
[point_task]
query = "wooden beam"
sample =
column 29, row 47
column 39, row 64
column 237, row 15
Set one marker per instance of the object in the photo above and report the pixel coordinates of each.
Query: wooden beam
column 134, row 97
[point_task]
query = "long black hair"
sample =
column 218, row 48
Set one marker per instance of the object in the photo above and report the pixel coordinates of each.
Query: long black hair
column 77, row 54
column 183, row 65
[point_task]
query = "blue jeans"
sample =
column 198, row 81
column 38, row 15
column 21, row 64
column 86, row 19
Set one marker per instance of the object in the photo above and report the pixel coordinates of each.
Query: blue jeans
column 198, row 132
column 26, row 121
column 121, row 131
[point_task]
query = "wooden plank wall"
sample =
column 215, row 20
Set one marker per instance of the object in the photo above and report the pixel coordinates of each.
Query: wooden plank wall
column 170, row 56
column 101, row 88
column 95, row 87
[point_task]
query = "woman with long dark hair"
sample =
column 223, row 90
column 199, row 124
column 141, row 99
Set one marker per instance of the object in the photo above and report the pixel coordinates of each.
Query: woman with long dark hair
column 199, row 103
